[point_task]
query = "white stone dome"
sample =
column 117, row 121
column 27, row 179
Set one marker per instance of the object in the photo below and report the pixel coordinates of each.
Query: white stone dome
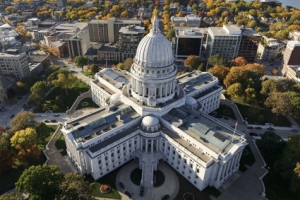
column 150, row 121
column 190, row 101
column 154, row 50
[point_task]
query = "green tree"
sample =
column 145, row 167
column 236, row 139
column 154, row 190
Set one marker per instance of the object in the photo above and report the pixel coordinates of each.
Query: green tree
column 24, row 138
column 80, row 61
column 38, row 91
column 192, row 62
column 51, row 69
column 42, row 182
column 64, row 80
column 75, row 187
column 94, row 68
column 217, row 59
column 6, row 158
column 42, row 131
column 171, row 34
column 10, row 196
column 295, row 182
column 235, row 90
column 20, row 121
column 120, row 66
column 220, row 72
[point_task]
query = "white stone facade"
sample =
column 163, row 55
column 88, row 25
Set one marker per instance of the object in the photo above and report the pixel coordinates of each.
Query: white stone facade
column 172, row 126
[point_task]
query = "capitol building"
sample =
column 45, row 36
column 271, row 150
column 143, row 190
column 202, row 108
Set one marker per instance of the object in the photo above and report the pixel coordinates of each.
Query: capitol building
column 150, row 112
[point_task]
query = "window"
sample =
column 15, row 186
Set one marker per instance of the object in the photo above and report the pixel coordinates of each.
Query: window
column 99, row 162
column 105, row 157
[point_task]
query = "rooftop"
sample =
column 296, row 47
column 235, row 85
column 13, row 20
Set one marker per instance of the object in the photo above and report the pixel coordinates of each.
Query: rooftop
column 37, row 58
column 132, row 29
column 115, row 77
column 189, row 32
column 226, row 30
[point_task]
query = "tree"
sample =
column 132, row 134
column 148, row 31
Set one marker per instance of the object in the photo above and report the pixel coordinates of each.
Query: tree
column 42, row 131
column 269, row 86
column 51, row 69
column 192, row 62
column 62, row 79
column 80, row 61
column 6, row 159
column 75, row 187
column 38, row 91
column 9, row 9
column 171, row 34
column 217, row 59
column 20, row 121
column 235, row 90
column 127, row 64
column 42, row 182
column 239, row 61
column 94, row 68
column 295, row 182
column 70, row 60
column 24, row 138
column 120, row 66
column 10, row 196
column 220, row 72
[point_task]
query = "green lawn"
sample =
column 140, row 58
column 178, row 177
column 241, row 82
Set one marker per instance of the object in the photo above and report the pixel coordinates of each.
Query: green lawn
column 67, row 100
column 88, row 74
column 186, row 186
column 247, row 159
column 107, row 179
column 90, row 104
column 60, row 144
column 53, row 129
column 253, row 114
column 221, row 109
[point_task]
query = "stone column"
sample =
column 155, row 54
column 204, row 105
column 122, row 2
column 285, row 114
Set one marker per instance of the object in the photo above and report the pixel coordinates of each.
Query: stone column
column 152, row 144
column 160, row 91
column 157, row 147
column 144, row 90
column 220, row 172
column 146, row 146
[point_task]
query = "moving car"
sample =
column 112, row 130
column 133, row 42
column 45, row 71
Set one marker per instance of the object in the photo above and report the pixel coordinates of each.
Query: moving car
column 142, row 191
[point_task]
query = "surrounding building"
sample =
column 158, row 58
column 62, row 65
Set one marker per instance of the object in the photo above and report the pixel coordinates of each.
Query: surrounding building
column 152, row 115
column 60, row 47
column 224, row 41
column 249, row 44
column 294, row 35
column 190, row 20
column 269, row 49
column 188, row 42
column 79, row 43
column 61, row 3
column 291, row 61
column 14, row 63
column 5, row 83
column 129, row 38
column 108, row 30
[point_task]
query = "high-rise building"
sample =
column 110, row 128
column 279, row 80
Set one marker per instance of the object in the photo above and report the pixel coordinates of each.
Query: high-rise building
column 269, row 49
column 108, row 30
column 188, row 42
column 151, row 115
column 129, row 38
column 249, row 44
column 79, row 43
column 61, row 3
column 291, row 59
column 224, row 41
column 14, row 63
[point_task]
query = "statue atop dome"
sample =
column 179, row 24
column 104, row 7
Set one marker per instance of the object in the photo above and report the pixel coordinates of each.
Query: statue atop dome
column 155, row 25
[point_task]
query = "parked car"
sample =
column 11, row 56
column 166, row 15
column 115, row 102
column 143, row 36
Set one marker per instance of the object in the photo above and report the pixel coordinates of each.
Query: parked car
column 253, row 134
column 46, row 121
column 142, row 191
column 121, row 185
column 12, row 116
column 226, row 118
column 249, row 127
column 128, row 194
column 56, row 115
column 271, row 129
column 52, row 120
column 165, row 197
column 258, row 127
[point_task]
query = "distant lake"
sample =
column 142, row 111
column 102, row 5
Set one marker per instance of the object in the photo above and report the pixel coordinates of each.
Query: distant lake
column 294, row 3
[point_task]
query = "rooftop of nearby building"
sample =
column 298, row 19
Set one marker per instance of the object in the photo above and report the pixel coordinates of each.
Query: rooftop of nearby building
column 115, row 77
column 249, row 32
column 37, row 58
column 118, row 21
column 189, row 32
column 109, row 47
column 132, row 29
column 11, row 52
column 194, row 80
column 58, row 43
column 226, row 30
column 70, row 27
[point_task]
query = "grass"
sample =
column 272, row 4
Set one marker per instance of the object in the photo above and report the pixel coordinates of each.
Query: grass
column 53, row 129
column 9, row 178
column 186, row 186
column 221, row 109
column 67, row 100
column 88, row 73
column 109, row 179
column 61, row 144
column 90, row 104
column 248, row 159
column 258, row 115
